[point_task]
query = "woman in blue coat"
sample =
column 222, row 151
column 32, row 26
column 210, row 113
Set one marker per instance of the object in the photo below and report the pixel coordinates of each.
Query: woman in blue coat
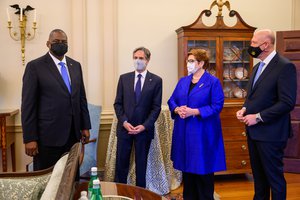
column 197, row 145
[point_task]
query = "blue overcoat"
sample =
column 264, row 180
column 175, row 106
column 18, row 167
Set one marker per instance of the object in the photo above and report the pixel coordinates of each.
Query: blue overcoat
column 197, row 144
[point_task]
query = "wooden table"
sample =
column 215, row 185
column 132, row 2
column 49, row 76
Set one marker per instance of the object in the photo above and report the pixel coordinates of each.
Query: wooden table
column 3, row 138
column 110, row 189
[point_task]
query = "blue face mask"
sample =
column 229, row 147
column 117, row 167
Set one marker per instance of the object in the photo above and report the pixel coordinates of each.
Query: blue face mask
column 139, row 64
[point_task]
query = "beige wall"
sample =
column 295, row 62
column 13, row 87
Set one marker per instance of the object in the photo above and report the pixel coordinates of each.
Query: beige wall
column 103, row 33
column 296, row 15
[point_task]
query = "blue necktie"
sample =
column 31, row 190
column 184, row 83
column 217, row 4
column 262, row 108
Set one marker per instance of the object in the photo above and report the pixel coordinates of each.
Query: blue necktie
column 65, row 76
column 138, row 88
column 258, row 72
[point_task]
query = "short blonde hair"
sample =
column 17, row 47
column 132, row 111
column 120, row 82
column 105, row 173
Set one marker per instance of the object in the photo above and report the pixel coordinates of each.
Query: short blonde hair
column 200, row 55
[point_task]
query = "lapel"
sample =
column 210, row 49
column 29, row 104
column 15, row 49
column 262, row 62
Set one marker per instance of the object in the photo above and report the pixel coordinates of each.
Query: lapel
column 264, row 74
column 131, row 84
column 202, row 83
column 55, row 73
column 255, row 68
column 71, row 69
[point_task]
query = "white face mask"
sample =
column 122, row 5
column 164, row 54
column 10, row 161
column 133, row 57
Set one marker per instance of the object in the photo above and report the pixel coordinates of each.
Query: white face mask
column 191, row 68
column 139, row 64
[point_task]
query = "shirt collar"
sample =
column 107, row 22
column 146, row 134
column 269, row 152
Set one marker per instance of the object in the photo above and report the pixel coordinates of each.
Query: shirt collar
column 143, row 73
column 269, row 57
column 56, row 61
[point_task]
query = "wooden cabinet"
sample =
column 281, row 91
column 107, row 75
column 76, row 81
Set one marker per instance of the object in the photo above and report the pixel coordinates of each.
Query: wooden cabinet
column 288, row 45
column 230, row 62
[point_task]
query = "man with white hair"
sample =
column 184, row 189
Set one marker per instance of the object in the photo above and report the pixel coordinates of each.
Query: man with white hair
column 272, row 90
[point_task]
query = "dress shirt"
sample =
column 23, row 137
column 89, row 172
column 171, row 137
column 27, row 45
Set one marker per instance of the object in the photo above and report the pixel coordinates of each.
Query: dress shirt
column 144, row 73
column 268, row 59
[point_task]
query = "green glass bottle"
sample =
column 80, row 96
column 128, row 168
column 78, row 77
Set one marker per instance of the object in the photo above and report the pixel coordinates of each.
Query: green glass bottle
column 93, row 177
column 97, row 194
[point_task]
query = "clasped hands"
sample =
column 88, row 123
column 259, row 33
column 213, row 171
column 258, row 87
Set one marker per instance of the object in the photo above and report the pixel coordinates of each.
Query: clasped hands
column 185, row 112
column 249, row 120
column 133, row 130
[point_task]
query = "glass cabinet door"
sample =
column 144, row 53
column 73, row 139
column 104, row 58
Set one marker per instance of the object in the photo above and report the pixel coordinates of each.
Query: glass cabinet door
column 210, row 47
column 236, row 69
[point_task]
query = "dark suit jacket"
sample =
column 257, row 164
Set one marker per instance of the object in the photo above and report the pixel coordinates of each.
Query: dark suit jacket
column 273, row 96
column 47, row 107
column 146, row 111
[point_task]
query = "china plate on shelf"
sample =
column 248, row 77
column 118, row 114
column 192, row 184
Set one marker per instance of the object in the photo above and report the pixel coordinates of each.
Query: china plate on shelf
column 239, row 93
column 229, row 72
column 231, row 54
column 241, row 73
column 228, row 89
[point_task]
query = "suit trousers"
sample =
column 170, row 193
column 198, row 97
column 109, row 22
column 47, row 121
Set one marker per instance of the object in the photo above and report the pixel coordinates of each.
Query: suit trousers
column 267, row 167
column 198, row 187
column 49, row 155
column 124, row 147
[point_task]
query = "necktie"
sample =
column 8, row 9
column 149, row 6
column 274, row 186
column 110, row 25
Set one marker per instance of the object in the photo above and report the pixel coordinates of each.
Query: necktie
column 65, row 76
column 138, row 88
column 258, row 72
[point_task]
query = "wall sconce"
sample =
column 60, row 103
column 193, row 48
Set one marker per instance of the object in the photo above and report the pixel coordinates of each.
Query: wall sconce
column 22, row 35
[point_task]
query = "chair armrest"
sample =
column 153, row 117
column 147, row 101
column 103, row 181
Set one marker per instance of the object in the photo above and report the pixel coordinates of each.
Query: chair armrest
column 25, row 174
column 66, row 186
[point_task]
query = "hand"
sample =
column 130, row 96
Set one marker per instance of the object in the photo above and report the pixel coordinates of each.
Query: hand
column 85, row 136
column 31, row 148
column 128, row 127
column 191, row 112
column 138, row 129
column 240, row 114
column 250, row 120
column 181, row 111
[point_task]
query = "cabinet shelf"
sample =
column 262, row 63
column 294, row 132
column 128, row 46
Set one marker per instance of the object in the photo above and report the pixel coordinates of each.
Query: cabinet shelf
column 235, row 62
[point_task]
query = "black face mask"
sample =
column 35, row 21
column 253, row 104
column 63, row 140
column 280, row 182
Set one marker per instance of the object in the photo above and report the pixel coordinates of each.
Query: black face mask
column 254, row 51
column 59, row 49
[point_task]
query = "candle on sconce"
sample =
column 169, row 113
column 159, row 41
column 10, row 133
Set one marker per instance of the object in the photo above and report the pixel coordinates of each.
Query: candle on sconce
column 34, row 19
column 21, row 14
column 8, row 16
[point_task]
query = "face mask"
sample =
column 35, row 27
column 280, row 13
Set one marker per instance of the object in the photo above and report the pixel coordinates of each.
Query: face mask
column 254, row 51
column 59, row 49
column 139, row 65
column 191, row 68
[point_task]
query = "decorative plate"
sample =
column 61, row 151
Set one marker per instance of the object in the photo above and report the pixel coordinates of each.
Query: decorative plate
column 239, row 93
column 241, row 73
column 231, row 54
column 229, row 72
column 228, row 90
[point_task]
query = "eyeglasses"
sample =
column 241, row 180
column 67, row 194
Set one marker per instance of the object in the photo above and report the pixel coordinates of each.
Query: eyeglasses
column 191, row 61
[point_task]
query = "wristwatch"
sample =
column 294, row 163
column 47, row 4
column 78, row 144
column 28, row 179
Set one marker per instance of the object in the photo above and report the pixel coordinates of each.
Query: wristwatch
column 258, row 118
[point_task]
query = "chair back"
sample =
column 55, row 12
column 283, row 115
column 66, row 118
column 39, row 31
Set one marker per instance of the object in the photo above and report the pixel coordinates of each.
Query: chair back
column 90, row 149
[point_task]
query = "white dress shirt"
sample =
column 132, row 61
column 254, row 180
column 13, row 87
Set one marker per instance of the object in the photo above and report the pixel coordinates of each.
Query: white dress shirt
column 144, row 73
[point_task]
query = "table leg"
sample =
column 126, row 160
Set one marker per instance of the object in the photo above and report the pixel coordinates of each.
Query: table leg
column 3, row 143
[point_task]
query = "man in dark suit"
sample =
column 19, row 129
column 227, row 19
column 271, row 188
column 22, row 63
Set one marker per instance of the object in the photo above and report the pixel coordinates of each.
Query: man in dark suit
column 137, row 106
column 266, row 114
column 54, row 106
